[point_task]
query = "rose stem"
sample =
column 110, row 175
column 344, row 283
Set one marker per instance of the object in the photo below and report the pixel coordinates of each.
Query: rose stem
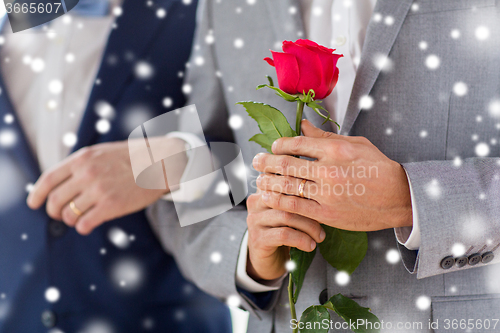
column 292, row 304
column 300, row 110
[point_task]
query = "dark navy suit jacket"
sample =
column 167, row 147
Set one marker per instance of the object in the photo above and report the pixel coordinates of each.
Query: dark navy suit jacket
column 56, row 256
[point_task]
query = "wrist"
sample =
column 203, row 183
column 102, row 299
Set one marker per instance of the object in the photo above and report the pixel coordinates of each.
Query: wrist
column 405, row 213
column 265, row 273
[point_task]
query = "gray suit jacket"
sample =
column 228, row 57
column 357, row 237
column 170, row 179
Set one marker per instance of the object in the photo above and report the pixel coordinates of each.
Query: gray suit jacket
column 416, row 120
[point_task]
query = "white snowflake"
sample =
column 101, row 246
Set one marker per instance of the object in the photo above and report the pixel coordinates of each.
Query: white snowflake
column 292, row 10
column 460, row 88
column 482, row 32
column 392, row 256
column 52, row 294
column 235, row 121
column 216, row 257
column 199, row 60
column 366, row 102
column 432, row 61
column 167, row 102
column 238, row 43
column 455, row 34
column 383, row 62
column 117, row 11
column 389, row 20
column 458, row 249
column 423, row 134
column 233, row 301
column 433, row 189
column 186, row 88
column 118, row 238
column 161, row 13
column 494, row 108
column 69, row 57
column 290, row 266
column 104, row 110
column 342, row 278
column 377, row 17
column 8, row 118
column 103, row 126
column 143, row 70
column 423, row 45
column 69, row 139
column 482, row 149
column 222, row 188
column 415, row 7
column 457, row 162
column 474, row 137
column 389, row 131
column 37, row 65
column 423, row 302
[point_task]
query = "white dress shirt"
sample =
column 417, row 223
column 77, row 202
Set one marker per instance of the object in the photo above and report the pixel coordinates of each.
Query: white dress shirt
column 342, row 25
column 49, row 74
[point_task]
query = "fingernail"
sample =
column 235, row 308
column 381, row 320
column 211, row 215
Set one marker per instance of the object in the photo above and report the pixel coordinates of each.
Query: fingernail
column 322, row 235
column 256, row 159
column 275, row 144
column 266, row 195
column 313, row 245
column 259, row 180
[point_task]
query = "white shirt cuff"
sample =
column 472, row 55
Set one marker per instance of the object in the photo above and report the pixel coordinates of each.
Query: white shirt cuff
column 410, row 236
column 244, row 281
column 187, row 193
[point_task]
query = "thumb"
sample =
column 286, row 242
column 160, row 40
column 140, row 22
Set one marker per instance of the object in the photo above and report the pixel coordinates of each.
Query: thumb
column 313, row 132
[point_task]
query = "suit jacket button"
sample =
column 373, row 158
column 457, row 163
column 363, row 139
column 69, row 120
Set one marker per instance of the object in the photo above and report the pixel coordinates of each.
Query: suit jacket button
column 488, row 257
column 461, row 261
column 447, row 262
column 474, row 259
column 57, row 229
column 48, row 319
column 323, row 296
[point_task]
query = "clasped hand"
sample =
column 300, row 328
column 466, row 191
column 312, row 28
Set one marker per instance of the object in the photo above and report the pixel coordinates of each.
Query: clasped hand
column 349, row 185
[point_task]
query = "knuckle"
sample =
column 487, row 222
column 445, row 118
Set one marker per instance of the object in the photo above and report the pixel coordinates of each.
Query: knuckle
column 284, row 163
column 286, row 217
column 286, row 185
column 284, row 235
column 296, row 143
column 326, row 135
column 85, row 153
column 252, row 201
column 291, row 204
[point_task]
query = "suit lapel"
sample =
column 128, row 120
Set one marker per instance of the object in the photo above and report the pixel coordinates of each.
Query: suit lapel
column 136, row 28
column 378, row 43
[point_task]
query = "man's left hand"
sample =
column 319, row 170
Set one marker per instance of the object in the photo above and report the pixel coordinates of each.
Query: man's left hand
column 350, row 185
column 99, row 181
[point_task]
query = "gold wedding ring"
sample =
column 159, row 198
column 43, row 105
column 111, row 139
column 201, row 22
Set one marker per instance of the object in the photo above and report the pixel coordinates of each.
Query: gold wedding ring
column 75, row 209
column 301, row 187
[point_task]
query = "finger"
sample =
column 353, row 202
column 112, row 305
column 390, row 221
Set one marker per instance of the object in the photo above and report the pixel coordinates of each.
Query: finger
column 83, row 203
column 285, row 236
column 291, row 204
column 287, row 185
column 46, row 183
column 61, row 196
column 312, row 131
column 283, row 165
column 277, row 219
column 255, row 204
column 299, row 145
column 92, row 218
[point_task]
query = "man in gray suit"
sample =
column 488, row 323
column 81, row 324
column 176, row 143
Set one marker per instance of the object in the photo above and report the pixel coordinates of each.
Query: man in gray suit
column 425, row 95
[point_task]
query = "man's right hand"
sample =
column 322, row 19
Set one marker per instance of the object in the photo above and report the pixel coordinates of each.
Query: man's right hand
column 271, row 233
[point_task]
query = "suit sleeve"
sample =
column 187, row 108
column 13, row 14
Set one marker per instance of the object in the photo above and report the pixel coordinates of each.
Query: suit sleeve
column 193, row 246
column 458, row 206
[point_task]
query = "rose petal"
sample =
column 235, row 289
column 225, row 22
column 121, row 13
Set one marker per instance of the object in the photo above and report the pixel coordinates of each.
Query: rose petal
column 269, row 61
column 310, row 68
column 311, row 44
column 287, row 70
column 333, row 83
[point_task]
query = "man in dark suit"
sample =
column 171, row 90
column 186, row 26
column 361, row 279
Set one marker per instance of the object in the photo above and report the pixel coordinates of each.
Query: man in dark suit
column 68, row 87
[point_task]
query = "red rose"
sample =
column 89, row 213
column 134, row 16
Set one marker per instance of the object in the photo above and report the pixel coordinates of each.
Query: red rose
column 305, row 65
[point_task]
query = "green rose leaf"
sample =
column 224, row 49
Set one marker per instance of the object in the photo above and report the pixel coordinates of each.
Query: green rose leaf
column 262, row 140
column 302, row 261
column 272, row 122
column 343, row 249
column 312, row 318
column 363, row 321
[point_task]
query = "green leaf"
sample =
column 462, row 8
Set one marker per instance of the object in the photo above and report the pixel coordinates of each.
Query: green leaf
column 272, row 122
column 303, row 260
column 363, row 320
column 286, row 96
column 270, row 79
column 312, row 318
column 343, row 249
column 262, row 140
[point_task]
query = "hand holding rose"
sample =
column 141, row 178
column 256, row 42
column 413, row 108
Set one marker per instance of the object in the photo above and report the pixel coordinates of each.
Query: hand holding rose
column 351, row 185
